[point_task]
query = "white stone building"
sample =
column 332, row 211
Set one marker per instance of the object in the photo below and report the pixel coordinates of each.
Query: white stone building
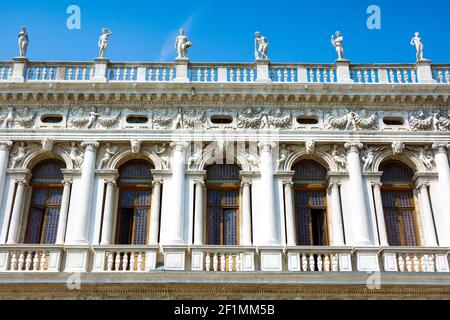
column 224, row 180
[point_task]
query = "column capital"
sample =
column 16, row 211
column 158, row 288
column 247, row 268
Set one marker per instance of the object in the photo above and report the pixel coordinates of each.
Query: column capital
column 5, row 145
column 376, row 183
column 22, row 182
column 179, row 145
column 334, row 183
column 288, row 183
column 422, row 184
column 157, row 181
column 67, row 180
column 111, row 182
column 199, row 182
column 441, row 147
column 353, row 146
column 266, row 145
column 246, row 183
column 90, row 145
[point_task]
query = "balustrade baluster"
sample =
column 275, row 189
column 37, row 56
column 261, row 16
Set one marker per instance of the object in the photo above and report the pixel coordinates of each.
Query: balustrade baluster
column 231, row 75
column 358, row 75
column 164, row 74
column 207, row 262
column 158, row 75
column 431, row 265
column 150, row 74
column 222, row 262
column 252, row 75
column 406, row 76
column 171, row 74
column 335, row 262
column 401, row 264
column 416, row 264
column 408, row 263
column 110, row 261
column 91, row 73
column 117, row 261
column 10, row 73
column 77, row 74
column 132, row 74
column 413, row 76
column 238, row 263
column 35, row 261
column 318, row 75
column 245, row 75
column 423, row 263
column 28, row 261
column 373, row 76
column 132, row 261
column 125, row 261
column 30, row 74
column 319, row 263
column 140, row 262
column 69, row 74
column 399, row 76
column 42, row 261
column 332, row 76
column 440, row 76
column 304, row 263
column 51, row 73
column 391, row 76
column 366, row 76
column 311, row 75
column 286, row 75
column 213, row 75
column 327, row 263
column 312, row 266
column 447, row 76
column 14, row 261
column 84, row 74
column 230, row 262
column 38, row 74
column 21, row 260
column 215, row 262
column 44, row 73
column 325, row 76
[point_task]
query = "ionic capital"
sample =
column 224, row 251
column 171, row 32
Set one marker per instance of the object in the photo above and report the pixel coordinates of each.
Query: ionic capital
column 179, row 146
column 266, row 146
column 157, row 181
column 111, row 182
column 6, row 145
column 376, row 183
column 353, row 146
column 440, row 147
column 90, row 145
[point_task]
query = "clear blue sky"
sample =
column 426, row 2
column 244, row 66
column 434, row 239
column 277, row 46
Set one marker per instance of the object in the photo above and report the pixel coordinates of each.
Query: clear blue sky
column 298, row 30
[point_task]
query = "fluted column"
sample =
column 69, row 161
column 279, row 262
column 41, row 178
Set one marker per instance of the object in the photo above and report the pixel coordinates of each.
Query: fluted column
column 429, row 231
column 335, row 216
column 290, row 213
column 360, row 214
column 63, row 212
column 79, row 220
column 443, row 169
column 199, row 213
column 108, row 215
column 174, row 226
column 246, row 214
column 14, row 227
column 155, row 211
column 381, row 223
column 5, row 148
column 267, row 207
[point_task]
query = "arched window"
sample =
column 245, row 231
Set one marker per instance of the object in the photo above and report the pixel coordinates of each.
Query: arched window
column 43, row 217
column 223, row 185
column 135, row 189
column 398, row 204
column 310, row 185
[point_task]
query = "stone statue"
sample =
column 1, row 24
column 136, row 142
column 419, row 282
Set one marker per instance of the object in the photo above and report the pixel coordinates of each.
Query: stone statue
column 110, row 151
column 24, row 41
column 338, row 43
column 76, row 155
column 416, row 41
column 18, row 156
column 182, row 43
column 103, row 42
column 339, row 158
column 261, row 46
column 397, row 147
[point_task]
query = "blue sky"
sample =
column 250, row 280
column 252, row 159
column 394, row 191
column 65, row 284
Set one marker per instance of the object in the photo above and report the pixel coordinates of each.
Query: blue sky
column 298, row 31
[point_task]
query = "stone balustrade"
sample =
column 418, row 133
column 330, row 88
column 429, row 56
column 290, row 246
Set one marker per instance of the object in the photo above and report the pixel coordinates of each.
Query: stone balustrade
column 224, row 72
column 227, row 259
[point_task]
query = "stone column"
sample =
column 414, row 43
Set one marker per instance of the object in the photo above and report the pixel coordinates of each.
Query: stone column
column 199, row 213
column 290, row 213
column 108, row 215
column 267, row 214
column 14, row 227
column 429, row 231
column 246, row 214
column 335, row 216
column 443, row 169
column 79, row 221
column 381, row 223
column 360, row 214
column 5, row 147
column 174, row 233
column 63, row 212
column 155, row 211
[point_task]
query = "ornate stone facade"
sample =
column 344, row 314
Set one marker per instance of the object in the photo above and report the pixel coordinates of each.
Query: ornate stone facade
column 266, row 118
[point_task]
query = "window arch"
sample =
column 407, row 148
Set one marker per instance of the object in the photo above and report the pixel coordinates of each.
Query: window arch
column 45, row 206
column 398, row 204
column 135, row 190
column 310, row 185
column 223, row 187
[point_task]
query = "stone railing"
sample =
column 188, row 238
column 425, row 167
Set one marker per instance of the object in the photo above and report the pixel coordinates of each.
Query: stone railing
column 30, row 258
column 223, row 258
column 227, row 259
column 117, row 258
column 22, row 70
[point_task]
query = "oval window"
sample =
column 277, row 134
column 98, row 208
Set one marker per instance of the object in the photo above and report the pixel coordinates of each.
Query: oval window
column 393, row 121
column 51, row 118
column 137, row 119
column 307, row 120
column 221, row 119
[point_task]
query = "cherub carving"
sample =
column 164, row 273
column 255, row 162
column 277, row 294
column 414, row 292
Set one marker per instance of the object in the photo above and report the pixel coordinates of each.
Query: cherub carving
column 110, row 151
column 76, row 155
column 19, row 154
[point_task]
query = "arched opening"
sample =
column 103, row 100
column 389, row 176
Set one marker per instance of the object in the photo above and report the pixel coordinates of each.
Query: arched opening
column 398, row 204
column 310, row 185
column 45, row 206
column 135, row 190
column 223, row 185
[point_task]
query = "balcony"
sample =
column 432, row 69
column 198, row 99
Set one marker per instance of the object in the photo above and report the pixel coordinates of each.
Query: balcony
column 225, row 259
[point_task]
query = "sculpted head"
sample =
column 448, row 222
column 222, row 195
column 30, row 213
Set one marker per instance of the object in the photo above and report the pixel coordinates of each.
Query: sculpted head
column 416, row 34
column 24, row 29
column 338, row 33
column 181, row 31
column 257, row 34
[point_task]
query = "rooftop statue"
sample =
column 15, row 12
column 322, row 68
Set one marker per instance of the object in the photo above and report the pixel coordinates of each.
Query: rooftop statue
column 261, row 46
column 103, row 42
column 416, row 41
column 182, row 43
column 23, row 42
column 338, row 43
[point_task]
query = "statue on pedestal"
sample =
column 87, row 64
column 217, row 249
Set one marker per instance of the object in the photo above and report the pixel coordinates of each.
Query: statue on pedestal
column 338, row 43
column 103, row 42
column 261, row 46
column 23, row 42
column 416, row 41
column 182, row 43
